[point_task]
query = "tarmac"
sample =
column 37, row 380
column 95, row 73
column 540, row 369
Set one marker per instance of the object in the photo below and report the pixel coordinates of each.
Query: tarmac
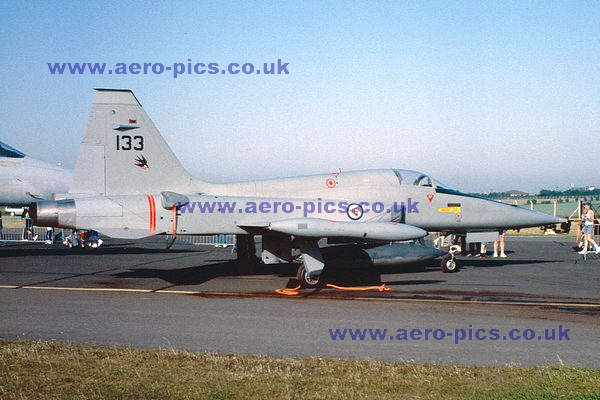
column 194, row 297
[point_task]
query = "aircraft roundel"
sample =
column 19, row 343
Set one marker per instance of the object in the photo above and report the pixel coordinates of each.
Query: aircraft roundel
column 430, row 197
column 355, row 211
column 330, row 183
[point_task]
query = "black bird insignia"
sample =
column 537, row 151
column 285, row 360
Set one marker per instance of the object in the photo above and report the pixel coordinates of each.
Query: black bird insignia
column 141, row 162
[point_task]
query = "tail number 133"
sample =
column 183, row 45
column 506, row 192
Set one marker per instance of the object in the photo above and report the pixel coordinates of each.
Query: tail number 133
column 127, row 142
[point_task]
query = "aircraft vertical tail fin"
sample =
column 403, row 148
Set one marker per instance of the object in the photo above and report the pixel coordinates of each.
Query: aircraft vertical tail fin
column 122, row 152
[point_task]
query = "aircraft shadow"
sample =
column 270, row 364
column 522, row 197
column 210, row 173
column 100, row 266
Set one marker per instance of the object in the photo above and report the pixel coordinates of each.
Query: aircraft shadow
column 344, row 277
column 368, row 276
column 14, row 251
column 201, row 274
column 499, row 262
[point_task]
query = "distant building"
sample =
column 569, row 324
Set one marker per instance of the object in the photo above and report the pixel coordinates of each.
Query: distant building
column 515, row 193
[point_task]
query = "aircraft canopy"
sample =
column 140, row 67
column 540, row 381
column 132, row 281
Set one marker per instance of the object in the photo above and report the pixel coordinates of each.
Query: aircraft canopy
column 407, row 177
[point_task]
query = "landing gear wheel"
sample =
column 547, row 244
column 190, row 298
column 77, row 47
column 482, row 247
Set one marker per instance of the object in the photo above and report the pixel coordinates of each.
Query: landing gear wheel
column 305, row 280
column 449, row 264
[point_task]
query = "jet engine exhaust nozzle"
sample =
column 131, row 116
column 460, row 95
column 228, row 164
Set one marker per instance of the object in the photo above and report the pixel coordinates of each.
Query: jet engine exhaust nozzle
column 57, row 214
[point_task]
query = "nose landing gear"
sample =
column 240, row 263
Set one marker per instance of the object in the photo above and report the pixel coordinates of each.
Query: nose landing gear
column 448, row 262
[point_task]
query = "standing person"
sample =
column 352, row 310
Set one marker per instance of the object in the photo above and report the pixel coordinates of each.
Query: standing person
column 95, row 240
column 474, row 249
column 221, row 241
column 501, row 236
column 0, row 225
column 29, row 225
column 82, row 236
column 72, row 240
column 27, row 229
column 579, row 239
column 588, row 217
column 49, row 235
column 438, row 243
column 483, row 252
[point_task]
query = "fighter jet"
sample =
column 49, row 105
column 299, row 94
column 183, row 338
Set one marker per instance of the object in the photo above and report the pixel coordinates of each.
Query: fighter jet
column 24, row 179
column 129, row 184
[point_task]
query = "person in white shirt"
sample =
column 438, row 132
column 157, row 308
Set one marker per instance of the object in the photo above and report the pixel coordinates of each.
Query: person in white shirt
column 588, row 218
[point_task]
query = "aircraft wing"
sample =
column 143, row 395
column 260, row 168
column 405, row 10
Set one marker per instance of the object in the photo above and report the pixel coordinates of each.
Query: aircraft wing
column 320, row 228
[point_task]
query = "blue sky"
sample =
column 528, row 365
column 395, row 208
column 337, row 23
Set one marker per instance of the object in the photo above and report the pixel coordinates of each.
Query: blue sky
column 482, row 95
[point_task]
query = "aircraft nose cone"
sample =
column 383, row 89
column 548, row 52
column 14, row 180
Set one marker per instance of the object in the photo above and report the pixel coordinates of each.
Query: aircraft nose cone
column 549, row 219
column 536, row 218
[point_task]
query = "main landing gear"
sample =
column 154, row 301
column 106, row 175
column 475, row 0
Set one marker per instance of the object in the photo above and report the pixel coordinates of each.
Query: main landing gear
column 309, row 272
column 305, row 279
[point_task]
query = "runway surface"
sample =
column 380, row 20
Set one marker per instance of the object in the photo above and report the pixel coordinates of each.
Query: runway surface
column 192, row 297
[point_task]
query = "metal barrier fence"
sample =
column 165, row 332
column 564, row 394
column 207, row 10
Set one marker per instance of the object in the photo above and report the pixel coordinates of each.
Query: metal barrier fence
column 38, row 234
column 13, row 230
column 202, row 240
column 58, row 235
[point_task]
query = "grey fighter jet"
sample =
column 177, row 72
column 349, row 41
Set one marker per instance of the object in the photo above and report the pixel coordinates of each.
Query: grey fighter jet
column 129, row 184
column 24, row 179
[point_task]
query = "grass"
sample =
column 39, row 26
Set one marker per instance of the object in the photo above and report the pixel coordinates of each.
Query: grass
column 49, row 370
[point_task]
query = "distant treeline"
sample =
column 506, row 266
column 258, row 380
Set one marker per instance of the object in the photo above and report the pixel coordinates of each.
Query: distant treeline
column 570, row 192
column 573, row 192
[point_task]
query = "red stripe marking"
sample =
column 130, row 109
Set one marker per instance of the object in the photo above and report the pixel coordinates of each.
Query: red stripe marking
column 152, row 207
column 153, row 213
column 149, row 208
column 174, row 220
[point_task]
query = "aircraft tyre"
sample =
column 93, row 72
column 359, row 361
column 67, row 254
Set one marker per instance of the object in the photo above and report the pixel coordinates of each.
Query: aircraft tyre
column 449, row 264
column 305, row 280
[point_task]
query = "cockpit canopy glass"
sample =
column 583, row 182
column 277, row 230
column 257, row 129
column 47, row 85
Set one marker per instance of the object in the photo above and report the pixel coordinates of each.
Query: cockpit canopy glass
column 7, row 151
column 407, row 177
